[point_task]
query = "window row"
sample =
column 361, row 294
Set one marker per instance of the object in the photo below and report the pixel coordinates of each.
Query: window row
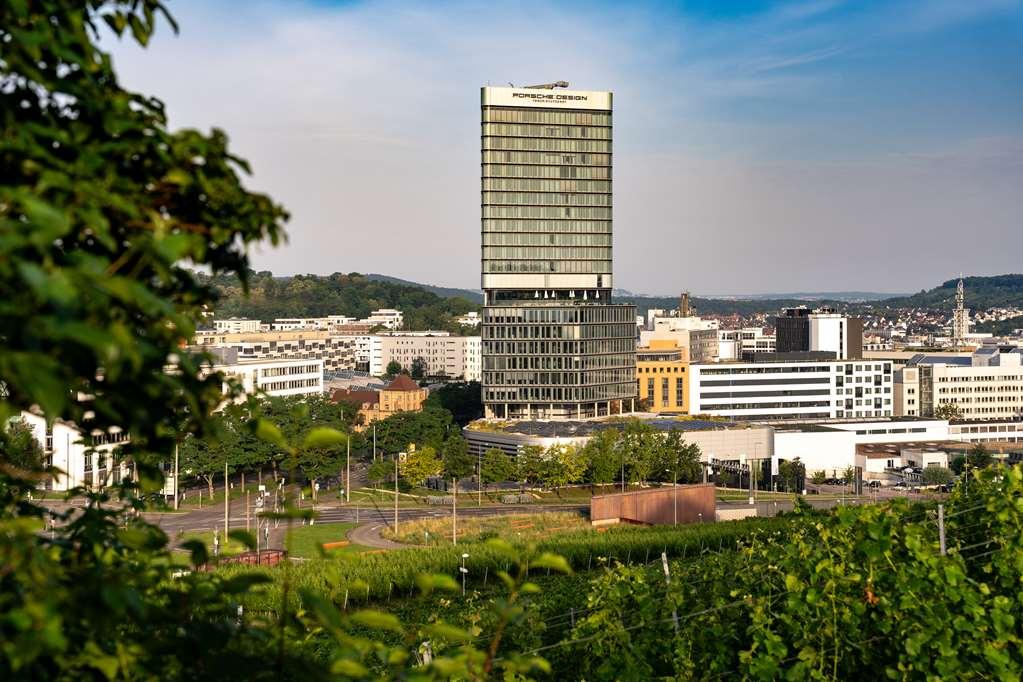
column 546, row 199
column 534, row 144
column 541, row 185
column 536, row 252
column 540, row 225
column 625, row 346
column 534, row 362
column 547, row 172
column 572, row 267
column 596, row 376
column 579, row 314
column 547, row 158
column 548, row 331
column 544, row 239
column 584, row 118
column 584, row 212
column 548, row 131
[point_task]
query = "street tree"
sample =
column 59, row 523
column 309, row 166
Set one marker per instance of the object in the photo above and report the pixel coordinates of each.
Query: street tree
column 497, row 467
column 393, row 368
column 602, row 457
column 936, row 475
column 18, row 446
column 419, row 464
column 457, row 462
column 418, row 369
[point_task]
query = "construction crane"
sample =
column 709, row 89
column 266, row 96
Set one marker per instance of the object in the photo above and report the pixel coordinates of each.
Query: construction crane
column 547, row 86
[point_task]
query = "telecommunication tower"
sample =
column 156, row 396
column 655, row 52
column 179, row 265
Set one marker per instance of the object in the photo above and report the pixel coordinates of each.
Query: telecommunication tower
column 960, row 317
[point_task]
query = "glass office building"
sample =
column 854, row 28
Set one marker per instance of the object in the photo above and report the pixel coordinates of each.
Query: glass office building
column 553, row 344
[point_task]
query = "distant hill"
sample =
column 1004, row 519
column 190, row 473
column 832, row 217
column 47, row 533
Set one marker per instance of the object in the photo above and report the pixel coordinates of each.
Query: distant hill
column 444, row 292
column 998, row 291
column 350, row 294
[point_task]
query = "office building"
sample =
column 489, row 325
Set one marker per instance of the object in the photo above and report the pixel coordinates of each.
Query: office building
column 553, row 344
column 742, row 344
column 235, row 325
column 807, row 389
column 271, row 377
column 798, row 329
column 662, row 377
column 986, row 385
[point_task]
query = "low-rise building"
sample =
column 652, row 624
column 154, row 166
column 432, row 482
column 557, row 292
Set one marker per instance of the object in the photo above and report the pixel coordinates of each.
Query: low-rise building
column 740, row 344
column 401, row 395
column 277, row 377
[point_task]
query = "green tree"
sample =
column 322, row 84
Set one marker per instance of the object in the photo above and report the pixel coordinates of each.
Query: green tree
column 418, row 371
column 497, row 467
column 936, row 475
column 464, row 400
column 791, row 473
column 419, row 464
column 603, row 457
column 640, row 443
column 818, row 477
column 530, row 464
column 393, row 368
column 457, row 462
column 675, row 459
column 948, row 411
column 430, row 426
column 379, row 471
column 18, row 446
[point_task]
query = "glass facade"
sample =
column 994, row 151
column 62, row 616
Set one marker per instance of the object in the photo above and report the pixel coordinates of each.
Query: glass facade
column 553, row 345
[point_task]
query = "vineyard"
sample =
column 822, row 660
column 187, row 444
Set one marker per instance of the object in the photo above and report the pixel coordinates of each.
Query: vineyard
column 841, row 594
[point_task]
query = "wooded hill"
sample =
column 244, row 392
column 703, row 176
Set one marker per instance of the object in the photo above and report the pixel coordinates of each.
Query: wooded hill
column 350, row 294
column 998, row 291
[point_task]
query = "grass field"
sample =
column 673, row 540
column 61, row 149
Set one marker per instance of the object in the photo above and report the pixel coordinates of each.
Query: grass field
column 512, row 527
column 305, row 541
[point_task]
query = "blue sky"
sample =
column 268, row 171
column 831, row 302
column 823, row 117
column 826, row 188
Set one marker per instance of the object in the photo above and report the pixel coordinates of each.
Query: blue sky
column 759, row 146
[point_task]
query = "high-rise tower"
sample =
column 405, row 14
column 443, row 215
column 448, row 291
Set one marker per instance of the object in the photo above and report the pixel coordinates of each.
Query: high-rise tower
column 960, row 317
column 553, row 344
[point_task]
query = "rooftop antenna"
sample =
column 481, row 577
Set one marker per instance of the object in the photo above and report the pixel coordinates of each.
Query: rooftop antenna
column 547, row 86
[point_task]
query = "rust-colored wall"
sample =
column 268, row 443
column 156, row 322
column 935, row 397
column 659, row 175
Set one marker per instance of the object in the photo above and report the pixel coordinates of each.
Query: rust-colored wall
column 657, row 505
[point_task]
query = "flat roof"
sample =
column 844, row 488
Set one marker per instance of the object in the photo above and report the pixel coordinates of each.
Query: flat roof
column 581, row 428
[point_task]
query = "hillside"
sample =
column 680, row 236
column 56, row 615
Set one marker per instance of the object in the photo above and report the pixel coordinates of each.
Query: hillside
column 981, row 293
column 444, row 292
column 350, row 294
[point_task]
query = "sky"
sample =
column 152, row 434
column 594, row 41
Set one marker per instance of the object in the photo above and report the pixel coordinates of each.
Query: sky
column 809, row 145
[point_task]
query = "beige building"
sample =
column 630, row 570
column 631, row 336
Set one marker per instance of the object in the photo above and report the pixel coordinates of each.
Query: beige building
column 337, row 351
column 401, row 395
column 455, row 357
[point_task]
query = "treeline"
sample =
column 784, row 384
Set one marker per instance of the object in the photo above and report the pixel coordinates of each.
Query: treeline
column 998, row 291
column 350, row 294
column 433, row 444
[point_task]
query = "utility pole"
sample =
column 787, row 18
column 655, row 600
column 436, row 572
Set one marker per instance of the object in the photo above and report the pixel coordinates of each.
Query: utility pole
column 176, row 494
column 454, row 512
column 227, row 520
column 395, row 495
column 374, row 441
column 479, row 477
column 348, row 482
column 674, row 493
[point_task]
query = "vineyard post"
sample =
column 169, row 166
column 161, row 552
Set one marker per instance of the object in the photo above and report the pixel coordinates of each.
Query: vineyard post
column 941, row 528
column 667, row 582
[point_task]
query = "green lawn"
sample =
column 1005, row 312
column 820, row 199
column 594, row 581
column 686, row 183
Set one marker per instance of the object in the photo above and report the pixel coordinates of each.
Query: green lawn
column 229, row 548
column 305, row 541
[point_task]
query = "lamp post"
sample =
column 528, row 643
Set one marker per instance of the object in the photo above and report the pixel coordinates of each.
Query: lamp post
column 674, row 493
column 396, row 495
column 479, row 476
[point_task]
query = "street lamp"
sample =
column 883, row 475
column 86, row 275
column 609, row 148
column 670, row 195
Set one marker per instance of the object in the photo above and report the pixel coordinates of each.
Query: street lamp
column 463, row 570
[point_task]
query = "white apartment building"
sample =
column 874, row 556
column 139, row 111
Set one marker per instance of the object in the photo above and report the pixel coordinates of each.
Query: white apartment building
column 287, row 324
column 84, row 459
column 470, row 319
column 235, row 325
column 806, row 389
column 388, row 317
column 337, row 351
column 455, row 357
column 988, row 385
column 273, row 377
